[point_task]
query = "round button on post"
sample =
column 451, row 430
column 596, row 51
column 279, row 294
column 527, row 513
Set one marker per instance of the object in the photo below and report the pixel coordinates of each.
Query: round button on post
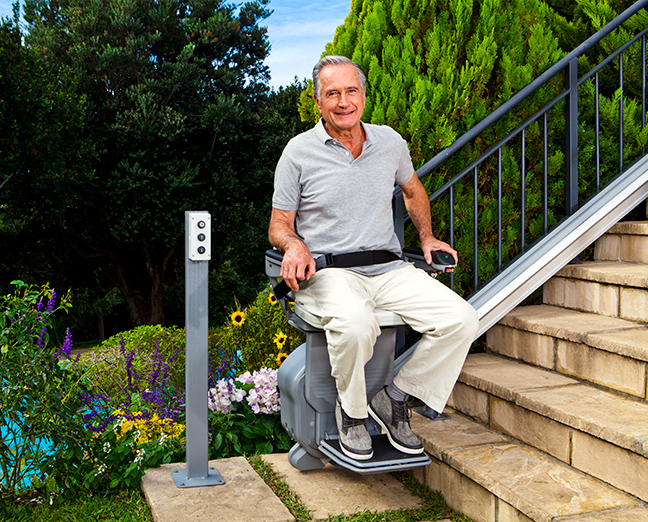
column 201, row 224
column 201, row 249
column 201, row 237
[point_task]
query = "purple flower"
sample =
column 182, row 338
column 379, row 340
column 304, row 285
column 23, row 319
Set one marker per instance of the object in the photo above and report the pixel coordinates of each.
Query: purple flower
column 41, row 339
column 66, row 349
column 51, row 304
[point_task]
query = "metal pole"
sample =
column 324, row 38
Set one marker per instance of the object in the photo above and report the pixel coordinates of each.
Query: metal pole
column 198, row 254
column 571, row 131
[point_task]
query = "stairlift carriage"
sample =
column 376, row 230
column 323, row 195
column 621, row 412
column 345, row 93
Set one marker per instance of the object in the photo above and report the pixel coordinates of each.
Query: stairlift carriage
column 308, row 392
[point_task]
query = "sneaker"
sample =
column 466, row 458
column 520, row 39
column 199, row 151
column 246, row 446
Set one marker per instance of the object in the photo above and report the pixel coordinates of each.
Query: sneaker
column 355, row 440
column 394, row 416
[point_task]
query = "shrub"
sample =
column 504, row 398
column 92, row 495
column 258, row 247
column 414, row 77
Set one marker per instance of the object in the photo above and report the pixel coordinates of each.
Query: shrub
column 39, row 400
column 259, row 335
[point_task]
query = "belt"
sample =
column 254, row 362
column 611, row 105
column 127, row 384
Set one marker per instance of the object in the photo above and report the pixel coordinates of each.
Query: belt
column 345, row 260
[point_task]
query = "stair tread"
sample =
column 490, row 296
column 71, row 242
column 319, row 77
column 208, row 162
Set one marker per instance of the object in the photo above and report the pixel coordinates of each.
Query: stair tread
column 635, row 228
column 620, row 421
column 611, row 334
column 535, row 484
column 608, row 272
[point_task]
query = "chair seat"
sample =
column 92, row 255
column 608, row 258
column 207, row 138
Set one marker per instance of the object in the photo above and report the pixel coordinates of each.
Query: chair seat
column 385, row 317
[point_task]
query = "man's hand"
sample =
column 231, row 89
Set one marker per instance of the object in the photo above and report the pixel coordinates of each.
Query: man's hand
column 298, row 263
column 429, row 243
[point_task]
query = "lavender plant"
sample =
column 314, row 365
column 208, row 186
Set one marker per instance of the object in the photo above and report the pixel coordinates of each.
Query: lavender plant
column 138, row 372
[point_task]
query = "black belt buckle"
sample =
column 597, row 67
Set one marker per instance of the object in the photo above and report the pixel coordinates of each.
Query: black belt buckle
column 328, row 259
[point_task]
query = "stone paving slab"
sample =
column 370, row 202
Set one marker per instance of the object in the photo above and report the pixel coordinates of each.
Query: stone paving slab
column 630, row 343
column 537, row 486
column 244, row 497
column 604, row 415
column 331, row 491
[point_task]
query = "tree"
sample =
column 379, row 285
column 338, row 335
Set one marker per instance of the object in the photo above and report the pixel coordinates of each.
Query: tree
column 43, row 160
column 171, row 90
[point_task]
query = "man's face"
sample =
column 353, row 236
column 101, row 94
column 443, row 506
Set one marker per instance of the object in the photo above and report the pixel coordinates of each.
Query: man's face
column 342, row 100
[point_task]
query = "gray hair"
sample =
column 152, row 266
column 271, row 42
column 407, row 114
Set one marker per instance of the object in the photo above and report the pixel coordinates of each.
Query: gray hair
column 334, row 60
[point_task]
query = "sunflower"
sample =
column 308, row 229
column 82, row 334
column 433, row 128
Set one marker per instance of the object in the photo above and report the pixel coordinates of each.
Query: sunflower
column 280, row 339
column 272, row 299
column 281, row 357
column 238, row 318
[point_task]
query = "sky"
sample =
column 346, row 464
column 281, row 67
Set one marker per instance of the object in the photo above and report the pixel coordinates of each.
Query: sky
column 298, row 30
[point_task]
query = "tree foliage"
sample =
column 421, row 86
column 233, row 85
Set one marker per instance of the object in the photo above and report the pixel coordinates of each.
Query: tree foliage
column 171, row 91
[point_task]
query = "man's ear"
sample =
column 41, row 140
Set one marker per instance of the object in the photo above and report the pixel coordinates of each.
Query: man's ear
column 317, row 103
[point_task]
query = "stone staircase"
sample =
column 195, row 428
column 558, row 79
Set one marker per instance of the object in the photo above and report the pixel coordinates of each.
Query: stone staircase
column 551, row 422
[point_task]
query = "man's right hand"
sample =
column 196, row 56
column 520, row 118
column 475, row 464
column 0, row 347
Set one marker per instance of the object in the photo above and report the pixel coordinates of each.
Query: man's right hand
column 297, row 265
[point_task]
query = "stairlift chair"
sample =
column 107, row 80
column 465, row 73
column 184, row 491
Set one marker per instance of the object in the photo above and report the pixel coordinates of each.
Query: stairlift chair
column 308, row 392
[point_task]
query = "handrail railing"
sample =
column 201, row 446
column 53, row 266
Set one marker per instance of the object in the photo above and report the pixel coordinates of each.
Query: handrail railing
column 569, row 140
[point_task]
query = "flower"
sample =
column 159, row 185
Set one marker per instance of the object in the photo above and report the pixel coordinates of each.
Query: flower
column 272, row 299
column 281, row 357
column 147, row 429
column 66, row 348
column 262, row 396
column 280, row 339
column 238, row 318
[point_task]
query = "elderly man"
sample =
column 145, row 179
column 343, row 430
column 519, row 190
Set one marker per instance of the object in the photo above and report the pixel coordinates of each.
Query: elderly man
column 333, row 195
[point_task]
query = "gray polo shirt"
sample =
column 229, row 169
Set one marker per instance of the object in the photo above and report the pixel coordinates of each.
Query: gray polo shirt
column 343, row 204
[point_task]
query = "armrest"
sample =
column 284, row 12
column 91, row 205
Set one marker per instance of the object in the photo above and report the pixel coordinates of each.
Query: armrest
column 441, row 261
column 273, row 262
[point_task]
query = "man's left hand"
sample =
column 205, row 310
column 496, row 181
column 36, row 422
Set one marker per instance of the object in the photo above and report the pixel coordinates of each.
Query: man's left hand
column 430, row 244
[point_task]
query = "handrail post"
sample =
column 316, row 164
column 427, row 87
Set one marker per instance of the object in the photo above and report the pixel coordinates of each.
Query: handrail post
column 571, row 139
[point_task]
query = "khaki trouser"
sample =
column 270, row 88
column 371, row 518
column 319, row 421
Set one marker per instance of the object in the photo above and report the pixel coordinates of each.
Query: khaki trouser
column 345, row 300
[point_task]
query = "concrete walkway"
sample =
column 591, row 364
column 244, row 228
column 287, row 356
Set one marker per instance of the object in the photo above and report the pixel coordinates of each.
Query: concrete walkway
column 246, row 498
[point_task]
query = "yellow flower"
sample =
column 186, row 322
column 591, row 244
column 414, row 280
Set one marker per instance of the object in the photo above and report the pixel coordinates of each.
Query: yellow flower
column 238, row 318
column 281, row 358
column 272, row 299
column 280, row 339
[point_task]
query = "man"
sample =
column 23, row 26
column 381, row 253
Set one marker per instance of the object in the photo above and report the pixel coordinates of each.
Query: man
column 333, row 195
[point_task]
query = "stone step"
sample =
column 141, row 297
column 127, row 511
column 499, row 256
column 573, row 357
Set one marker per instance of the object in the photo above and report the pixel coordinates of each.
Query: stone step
column 607, row 351
column 596, row 432
column 625, row 241
column 603, row 287
column 490, row 477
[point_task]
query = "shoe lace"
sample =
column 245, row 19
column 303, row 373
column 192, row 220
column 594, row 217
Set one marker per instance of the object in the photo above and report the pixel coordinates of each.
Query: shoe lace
column 350, row 422
column 400, row 412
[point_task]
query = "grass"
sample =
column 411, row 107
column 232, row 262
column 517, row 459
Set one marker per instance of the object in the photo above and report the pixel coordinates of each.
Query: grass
column 124, row 506
column 130, row 505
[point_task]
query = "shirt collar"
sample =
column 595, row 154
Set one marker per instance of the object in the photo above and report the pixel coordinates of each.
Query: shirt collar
column 324, row 136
